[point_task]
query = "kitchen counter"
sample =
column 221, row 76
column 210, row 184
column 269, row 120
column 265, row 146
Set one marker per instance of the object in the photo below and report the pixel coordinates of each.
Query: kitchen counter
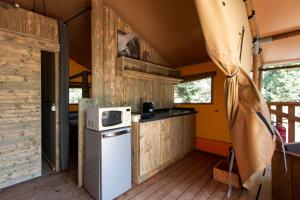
column 166, row 113
column 160, row 141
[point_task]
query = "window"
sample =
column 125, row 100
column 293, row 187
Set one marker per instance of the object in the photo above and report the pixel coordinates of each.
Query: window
column 196, row 91
column 281, row 85
column 74, row 95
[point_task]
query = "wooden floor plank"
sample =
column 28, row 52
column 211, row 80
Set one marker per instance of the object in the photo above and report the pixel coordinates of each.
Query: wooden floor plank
column 153, row 180
column 192, row 191
column 206, row 192
column 163, row 191
column 180, row 189
column 160, row 183
column 220, row 192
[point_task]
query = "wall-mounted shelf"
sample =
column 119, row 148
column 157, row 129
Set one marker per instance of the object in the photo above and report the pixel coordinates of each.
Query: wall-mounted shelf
column 138, row 68
column 143, row 75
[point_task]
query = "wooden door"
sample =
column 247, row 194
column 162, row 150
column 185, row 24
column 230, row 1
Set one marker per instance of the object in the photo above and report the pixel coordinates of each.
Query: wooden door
column 20, row 113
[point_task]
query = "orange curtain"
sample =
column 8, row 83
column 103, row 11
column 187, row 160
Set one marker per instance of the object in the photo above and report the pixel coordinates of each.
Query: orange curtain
column 228, row 41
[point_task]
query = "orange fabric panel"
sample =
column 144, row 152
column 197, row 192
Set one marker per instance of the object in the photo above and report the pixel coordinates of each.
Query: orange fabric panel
column 213, row 146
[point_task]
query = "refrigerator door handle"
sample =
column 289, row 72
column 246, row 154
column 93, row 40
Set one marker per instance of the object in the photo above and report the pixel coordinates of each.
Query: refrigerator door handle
column 115, row 134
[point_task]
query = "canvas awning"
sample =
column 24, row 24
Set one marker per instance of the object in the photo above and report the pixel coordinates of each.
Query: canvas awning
column 229, row 44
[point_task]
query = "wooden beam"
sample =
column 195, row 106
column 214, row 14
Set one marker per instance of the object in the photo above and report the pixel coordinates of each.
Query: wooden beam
column 279, row 68
column 291, row 114
column 83, row 105
column 281, row 114
column 97, row 52
column 143, row 75
column 280, row 36
column 278, row 117
column 257, row 58
column 284, row 103
column 198, row 76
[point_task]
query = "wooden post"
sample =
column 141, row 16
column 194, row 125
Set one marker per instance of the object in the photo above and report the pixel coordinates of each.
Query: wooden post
column 85, row 85
column 291, row 120
column 97, row 52
column 83, row 105
column 257, row 58
column 256, row 63
column 260, row 79
column 279, row 117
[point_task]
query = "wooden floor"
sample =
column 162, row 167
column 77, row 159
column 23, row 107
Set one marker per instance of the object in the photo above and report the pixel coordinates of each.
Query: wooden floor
column 190, row 178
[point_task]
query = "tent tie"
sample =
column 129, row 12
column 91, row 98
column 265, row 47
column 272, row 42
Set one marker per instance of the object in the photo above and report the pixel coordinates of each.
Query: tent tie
column 252, row 14
column 230, row 173
column 233, row 75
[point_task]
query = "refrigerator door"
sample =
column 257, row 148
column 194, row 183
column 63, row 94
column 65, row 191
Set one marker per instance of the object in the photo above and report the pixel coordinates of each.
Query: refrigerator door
column 115, row 163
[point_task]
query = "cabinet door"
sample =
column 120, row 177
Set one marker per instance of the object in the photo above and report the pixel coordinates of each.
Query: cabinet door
column 189, row 133
column 179, row 135
column 172, row 131
column 166, row 141
column 150, row 147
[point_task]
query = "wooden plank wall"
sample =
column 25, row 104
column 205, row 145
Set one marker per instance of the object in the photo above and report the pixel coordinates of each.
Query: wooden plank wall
column 125, row 91
column 23, row 35
column 29, row 23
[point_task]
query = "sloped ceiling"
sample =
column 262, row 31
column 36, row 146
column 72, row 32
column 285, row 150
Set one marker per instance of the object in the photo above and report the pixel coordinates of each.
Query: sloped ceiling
column 170, row 26
column 275, row 17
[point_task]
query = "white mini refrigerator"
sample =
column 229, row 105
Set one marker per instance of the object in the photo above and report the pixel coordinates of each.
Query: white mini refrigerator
column 107, row 171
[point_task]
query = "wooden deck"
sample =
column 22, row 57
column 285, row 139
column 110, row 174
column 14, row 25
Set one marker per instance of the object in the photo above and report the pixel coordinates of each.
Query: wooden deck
column 190, row 178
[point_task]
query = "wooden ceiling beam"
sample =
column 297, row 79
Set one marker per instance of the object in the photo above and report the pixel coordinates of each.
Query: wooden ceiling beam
column 280, row 36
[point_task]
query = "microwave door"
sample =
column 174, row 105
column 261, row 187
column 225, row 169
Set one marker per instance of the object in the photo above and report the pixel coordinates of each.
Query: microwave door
column 111, row 118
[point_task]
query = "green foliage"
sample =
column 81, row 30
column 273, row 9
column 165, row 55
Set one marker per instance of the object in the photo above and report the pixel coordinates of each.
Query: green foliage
column 193, row 92
column 282, row 85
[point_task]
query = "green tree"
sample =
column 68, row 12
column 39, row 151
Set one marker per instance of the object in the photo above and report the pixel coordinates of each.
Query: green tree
column 282, row 85
column 198, row 91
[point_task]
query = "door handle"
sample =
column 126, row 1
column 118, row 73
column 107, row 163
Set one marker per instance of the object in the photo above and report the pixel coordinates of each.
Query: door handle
column 37, row 108
column 53, row 108
column 115, row 134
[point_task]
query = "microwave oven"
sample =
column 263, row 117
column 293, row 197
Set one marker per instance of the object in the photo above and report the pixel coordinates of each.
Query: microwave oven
column 101, row 119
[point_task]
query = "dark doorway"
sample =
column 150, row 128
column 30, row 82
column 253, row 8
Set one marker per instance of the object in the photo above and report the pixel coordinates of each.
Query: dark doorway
column 48, row 111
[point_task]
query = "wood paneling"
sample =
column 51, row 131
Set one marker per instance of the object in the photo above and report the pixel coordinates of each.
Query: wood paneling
column 20, row 103
column 23, row 35
column 109, row 85
column 157, row 144
column 29, row 23
column 84, row 104
column 97, row 51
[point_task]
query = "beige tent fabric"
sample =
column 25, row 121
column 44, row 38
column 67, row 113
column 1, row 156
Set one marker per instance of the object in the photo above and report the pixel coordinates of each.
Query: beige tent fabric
column 228, row 40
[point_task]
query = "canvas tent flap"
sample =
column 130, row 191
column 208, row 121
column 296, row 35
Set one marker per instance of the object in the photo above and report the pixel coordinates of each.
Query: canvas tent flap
column 228, row 40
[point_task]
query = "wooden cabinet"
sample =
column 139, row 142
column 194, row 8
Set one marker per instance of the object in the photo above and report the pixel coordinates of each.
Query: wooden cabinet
column 150, row 147
column 157, row 144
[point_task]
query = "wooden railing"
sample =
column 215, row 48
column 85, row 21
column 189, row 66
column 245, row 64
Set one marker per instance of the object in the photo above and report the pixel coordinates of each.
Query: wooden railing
column 285, row 113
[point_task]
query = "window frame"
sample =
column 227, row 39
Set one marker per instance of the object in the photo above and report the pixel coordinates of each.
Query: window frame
column 196, row 77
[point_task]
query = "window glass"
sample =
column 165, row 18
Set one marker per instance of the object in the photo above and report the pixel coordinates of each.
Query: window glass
column 74, row 95
column 281, row 85
column 198, row 91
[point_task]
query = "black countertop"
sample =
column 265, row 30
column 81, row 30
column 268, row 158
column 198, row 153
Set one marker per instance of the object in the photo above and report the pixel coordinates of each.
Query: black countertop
column 166, row 113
